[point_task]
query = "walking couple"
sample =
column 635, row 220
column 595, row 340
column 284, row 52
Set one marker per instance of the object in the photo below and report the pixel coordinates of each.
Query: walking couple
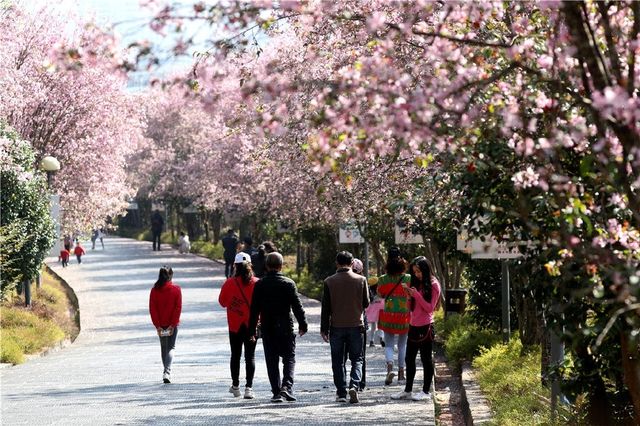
column 264, row 304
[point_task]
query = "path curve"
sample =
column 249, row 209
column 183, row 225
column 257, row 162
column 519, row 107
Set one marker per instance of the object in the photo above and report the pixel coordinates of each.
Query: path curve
column 111, row 374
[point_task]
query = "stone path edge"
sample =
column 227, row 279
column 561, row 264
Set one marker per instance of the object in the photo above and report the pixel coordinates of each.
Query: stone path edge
column 475, row 406
column 73, row 298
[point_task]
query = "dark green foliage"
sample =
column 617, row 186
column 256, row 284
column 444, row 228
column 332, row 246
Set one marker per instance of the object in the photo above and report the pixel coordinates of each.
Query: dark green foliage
column 26, row 227
column 485, row 293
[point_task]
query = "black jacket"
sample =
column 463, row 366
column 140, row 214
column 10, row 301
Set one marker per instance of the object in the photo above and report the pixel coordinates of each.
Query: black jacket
column 274, row 297
column 229, row 242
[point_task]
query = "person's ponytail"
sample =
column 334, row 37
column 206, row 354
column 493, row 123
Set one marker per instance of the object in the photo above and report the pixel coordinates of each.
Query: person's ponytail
column 164, row 276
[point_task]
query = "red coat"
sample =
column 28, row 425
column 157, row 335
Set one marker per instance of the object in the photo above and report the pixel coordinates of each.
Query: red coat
column 64, row 254
column 165, row 305
column 237, row 308
column 78, row 251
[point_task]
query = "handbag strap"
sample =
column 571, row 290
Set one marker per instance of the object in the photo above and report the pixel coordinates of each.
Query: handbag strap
column 242, row 293
column 394, row 288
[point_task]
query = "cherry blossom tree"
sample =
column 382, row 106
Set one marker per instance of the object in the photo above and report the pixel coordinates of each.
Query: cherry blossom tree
column 550, row 86
column 62, row 92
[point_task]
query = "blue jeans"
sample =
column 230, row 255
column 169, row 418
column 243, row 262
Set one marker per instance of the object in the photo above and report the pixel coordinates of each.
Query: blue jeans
column 389, row 341
column 349, row 340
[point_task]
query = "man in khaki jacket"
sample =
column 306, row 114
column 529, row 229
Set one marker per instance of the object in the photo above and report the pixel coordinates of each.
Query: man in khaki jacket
column 344, row 299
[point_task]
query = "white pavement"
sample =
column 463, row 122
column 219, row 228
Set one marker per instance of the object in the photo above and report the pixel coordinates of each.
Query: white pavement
column 111, row 374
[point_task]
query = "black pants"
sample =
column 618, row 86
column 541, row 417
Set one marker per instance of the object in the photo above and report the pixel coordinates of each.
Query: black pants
column 79, row 257
column 237, row 341
column 228, row 267
column 156, row 238
column 425, row 348
column 276, row 346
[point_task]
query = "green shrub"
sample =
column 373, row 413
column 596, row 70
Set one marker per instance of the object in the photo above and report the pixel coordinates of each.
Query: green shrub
column 27, row 331
column 10, row 350
column 462, row 337
column 208, row 249
column 26, row 227
column 306, row 284
column 510, row 380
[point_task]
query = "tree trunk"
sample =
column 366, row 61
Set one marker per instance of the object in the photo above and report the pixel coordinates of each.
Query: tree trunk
column 631, row 371
column 216, row 223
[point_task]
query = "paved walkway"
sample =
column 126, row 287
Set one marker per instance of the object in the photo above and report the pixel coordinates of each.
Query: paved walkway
column 112, row 373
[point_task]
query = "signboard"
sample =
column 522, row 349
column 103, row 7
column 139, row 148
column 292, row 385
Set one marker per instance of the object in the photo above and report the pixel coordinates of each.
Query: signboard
column 488, row 247
column 157, row 206
column 404, row 236
column 132, row 206
column 190, row 209
column 350, row 234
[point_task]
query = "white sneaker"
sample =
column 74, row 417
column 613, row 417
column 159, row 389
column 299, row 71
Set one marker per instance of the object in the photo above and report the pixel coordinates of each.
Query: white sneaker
column 235, row 390
column 421, row 396
column 248, row 393
column 401, row 395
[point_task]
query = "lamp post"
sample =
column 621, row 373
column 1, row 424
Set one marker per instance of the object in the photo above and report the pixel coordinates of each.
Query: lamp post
column 51, row 165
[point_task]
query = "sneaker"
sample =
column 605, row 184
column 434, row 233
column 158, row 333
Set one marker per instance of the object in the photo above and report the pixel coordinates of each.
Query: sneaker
column 401, row 395
column 353, row 396
column 277, row 398
column 166, row 378
column 286, row 394
column 248, row 393
column 382, row 343
column 341, row 399
column 371, row 344
column 235, row 390
column 421, row 396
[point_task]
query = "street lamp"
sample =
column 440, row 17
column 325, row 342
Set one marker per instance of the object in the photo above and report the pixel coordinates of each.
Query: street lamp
column 50, row 165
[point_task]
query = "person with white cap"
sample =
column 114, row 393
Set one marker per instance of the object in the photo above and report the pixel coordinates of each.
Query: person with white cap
column 235, row 296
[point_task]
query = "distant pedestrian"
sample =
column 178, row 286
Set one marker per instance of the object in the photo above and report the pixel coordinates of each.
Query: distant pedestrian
column 373, row 313
column 258, row 259
column 235, row 296
column 101, row 233
column 64, row 257
column 394, row 318
column 165, row 306
column 425, row 293
column 94, row 237
column 78, row 251
column 248, row 246
column 157, row 224
column 358, row 267
column 344, row 300
column 184, row 245
column 68, row 243
column 229, row 243
column 274, row 298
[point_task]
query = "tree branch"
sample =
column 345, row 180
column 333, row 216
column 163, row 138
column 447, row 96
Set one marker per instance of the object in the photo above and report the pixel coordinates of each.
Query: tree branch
column 611, row 46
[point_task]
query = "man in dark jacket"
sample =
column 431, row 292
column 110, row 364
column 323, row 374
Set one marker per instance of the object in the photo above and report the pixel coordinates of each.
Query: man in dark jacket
column 274, row 297
column 344, row 299
column 157, row 223
column 229, row 243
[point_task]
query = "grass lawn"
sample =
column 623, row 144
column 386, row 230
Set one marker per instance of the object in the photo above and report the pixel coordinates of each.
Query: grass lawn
column 51, row 319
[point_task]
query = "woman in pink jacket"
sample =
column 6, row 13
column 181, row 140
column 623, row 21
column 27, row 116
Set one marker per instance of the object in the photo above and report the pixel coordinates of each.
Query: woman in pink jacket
column 425, row 293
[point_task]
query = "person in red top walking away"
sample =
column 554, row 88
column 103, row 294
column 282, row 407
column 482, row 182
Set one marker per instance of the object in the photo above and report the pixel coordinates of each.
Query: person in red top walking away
column 235, row 296
column 78, row 251
column 64, row 256
column 165, row 306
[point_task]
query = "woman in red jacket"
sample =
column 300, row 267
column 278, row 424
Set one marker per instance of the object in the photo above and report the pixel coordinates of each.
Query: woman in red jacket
column 235, row 295
column 165, row 305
